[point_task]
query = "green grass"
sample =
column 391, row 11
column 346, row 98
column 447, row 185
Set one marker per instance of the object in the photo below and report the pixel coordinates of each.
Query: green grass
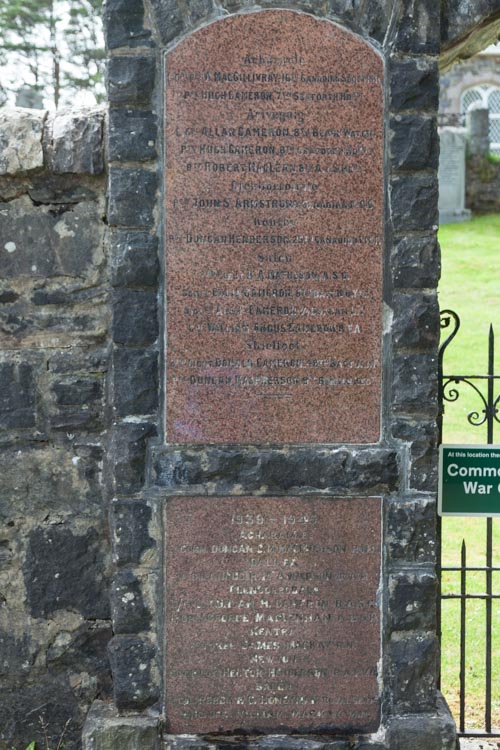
column 470, row 285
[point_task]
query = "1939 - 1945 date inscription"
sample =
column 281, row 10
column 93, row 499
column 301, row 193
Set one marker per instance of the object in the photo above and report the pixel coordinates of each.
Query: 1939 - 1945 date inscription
column 271, row 614
column 274, row 206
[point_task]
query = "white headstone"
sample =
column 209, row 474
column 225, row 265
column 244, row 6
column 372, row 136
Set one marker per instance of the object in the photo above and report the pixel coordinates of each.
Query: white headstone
column 452, row 176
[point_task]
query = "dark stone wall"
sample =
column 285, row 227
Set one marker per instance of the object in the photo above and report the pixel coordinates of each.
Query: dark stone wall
column 402, row 467
column 55, row 617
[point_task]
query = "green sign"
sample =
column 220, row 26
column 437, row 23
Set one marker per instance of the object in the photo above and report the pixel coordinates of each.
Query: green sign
column 469, row 480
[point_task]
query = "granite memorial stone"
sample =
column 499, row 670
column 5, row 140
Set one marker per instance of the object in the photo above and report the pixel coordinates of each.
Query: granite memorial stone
column 274, row 229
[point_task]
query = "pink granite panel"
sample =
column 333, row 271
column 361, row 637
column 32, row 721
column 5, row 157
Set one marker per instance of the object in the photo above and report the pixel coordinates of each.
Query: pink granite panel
column 272, row 621
column 274, row 233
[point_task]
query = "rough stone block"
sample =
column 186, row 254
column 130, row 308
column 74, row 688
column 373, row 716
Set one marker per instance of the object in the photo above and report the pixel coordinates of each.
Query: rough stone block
column 414, row 142
column 415, row 262
column 17, row 396
column 66, row 571
column 412, row 600
column 133, row 134
column 374, row 17
column 74, row 141
column 434, row 731
column 135, row 317
column 83, row 649
column 414, row 385
column 78, row 404
column 129, row 443
column 280, row 471
column 414, row 84
column 416, row 321
column 413, row 673
column 423, row 440
column 64, row 480
column 134, row 260
column 199, row 9
column 418, row 29
column 135, row 378
column 411, row 531
column 130, row 614
column 51, row 241
column 130, row 79
column 21, row 133
column 169, row 20
column 132, row 663
column 414, row 202
column 124, row 24
column 130, row 524
column 106, row 729
column 132, row 197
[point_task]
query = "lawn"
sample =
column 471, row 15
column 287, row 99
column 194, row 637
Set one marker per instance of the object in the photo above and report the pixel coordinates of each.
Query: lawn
column 470, row 286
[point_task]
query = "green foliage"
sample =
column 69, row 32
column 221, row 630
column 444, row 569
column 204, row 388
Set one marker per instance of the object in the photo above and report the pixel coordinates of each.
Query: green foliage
column 51, row 46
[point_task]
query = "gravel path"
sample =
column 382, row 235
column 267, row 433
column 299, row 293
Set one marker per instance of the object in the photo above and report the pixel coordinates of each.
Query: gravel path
column 479, row 744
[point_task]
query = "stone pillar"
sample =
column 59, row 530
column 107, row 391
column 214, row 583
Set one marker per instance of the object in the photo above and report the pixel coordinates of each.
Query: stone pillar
column 478, row 131
column 310, row 449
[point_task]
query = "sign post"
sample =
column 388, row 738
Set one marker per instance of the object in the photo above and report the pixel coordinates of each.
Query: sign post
column 469, row 480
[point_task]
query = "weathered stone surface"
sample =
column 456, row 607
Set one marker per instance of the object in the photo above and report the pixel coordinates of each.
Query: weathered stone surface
column 74, row 141
column 414, row 666
column 77, row 404
column 279, row 471
column 17, row 396
column 414, row 142
column 52, row 241
column 124, row 24
column 412, row 600
column 64, row 478
column 414, row 84
column 130, row 613
column 415, row 262
column 374, row 17
column 423, row 440
column 132, row 663
column 21, row 133
column 132, row 195
column 130, row 521
column 130, row 79
column 84, row 650
column 129, row 443
column 135, row 378
column 414, row 202
column 418, row 27
column 414, row 384
column 66, row 571
column 106, row 729
column 434, row 731
column 134, row 260
column 411, row 531
column 133, row 135
column 169, row 19
column 467, row 27
column 48, row 695
column 63, row 189
column 416, row 320
column 135, row 320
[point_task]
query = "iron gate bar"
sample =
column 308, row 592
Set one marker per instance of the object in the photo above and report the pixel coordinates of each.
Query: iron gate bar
column 488, row 415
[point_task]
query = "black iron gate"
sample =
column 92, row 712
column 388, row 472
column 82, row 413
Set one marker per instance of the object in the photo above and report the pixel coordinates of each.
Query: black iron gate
column 487, row 414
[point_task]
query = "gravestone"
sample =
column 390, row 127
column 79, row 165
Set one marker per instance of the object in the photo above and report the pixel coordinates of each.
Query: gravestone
column 273, row 508
column 274, row 222
column 452, row 176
